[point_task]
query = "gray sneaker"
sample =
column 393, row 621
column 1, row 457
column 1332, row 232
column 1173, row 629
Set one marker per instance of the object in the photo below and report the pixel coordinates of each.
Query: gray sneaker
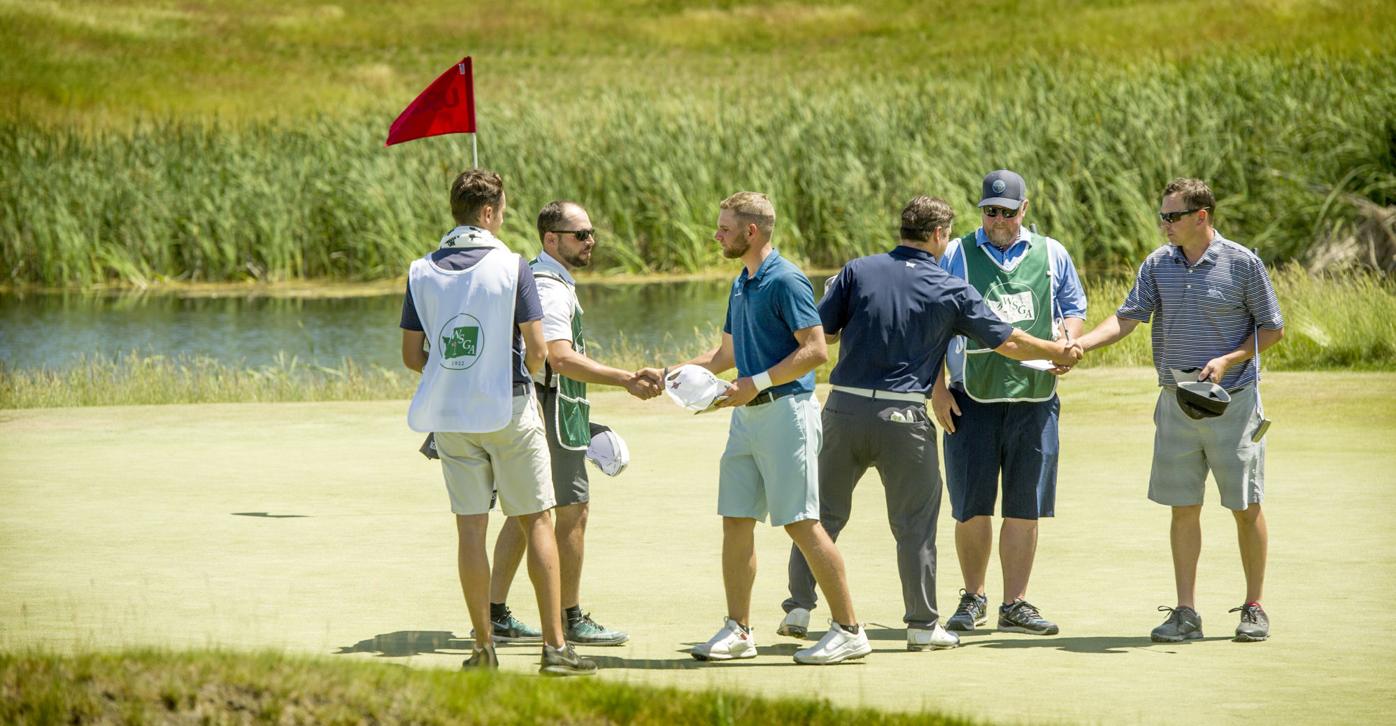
column 510, row 629
column 973, row 612
column 565, row 662
column 481, row 659
column 1020, row 616
column 585, row 631
column 1183, row 623
column 1255, row 624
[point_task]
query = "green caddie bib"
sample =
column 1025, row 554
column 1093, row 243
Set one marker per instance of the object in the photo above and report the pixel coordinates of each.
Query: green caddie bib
column 571, row 410
column 1021, row 296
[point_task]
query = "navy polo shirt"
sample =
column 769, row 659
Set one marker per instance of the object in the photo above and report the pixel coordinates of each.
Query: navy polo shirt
column 896, row 314
column 527, row 306
column 763, row 312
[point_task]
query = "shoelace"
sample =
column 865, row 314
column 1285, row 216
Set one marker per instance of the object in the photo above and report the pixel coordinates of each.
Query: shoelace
column 1248, row 613
column 1175, row 615
column 1027, row 609
column 968, row 603
column 586, row 620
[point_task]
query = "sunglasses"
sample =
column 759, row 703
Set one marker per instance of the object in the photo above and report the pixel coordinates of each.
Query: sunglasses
column 1171, row 217
column 582, row 235
column 992, row 212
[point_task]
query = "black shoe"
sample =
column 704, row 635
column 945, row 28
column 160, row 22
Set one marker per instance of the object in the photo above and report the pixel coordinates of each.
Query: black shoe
column 973, row 612
column 1255, row 624
column 1021, row 617
column 481, row 659
column 565, row 662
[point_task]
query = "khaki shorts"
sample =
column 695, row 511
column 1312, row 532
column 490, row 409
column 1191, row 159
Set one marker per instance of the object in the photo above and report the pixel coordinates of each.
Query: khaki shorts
column 512, row 461
column 1185, row 449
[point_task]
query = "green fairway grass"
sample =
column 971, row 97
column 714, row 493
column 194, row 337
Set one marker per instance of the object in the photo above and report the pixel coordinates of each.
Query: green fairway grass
column 316, row 529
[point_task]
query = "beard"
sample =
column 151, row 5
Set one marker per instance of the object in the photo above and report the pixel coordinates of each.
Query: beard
column 1001, row 236
column 577, row 259
column 738, row 248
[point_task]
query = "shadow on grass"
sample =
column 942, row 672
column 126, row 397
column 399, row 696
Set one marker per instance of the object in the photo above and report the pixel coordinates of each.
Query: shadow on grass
column 1080, row 644
column 403, row 643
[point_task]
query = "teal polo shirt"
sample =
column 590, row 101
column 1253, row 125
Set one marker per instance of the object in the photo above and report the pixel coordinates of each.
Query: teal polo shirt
column 764, row 311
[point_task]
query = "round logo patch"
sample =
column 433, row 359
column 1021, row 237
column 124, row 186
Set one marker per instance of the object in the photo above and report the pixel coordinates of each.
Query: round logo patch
column 999, row 186
column 461, row 342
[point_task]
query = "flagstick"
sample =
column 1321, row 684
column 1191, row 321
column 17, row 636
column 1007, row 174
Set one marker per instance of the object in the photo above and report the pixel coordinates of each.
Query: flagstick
column 474, row 153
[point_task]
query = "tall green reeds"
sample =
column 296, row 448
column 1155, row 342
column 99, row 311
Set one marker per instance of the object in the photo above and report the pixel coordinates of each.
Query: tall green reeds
column 1284, row 142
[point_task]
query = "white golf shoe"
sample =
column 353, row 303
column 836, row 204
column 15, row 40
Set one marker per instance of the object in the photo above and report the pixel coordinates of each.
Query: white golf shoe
column 937, row 638
column 795, row 624
column 836, row 646
column 730, row 643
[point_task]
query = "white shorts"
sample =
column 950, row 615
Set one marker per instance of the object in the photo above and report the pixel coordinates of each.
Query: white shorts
column 512, row 461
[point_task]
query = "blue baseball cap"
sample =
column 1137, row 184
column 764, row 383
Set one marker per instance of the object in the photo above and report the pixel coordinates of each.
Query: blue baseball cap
column 1003, row 188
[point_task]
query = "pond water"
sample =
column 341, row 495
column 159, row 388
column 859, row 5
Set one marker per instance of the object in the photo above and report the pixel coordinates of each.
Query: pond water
column 54, row 330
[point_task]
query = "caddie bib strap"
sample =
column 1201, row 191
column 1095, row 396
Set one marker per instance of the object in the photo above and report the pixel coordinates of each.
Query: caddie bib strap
column 571, row 410
column 1021, row 295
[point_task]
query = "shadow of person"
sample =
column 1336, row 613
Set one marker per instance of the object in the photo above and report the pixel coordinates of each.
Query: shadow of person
column 409, row 642
column 606, row 662
column 1080, row 644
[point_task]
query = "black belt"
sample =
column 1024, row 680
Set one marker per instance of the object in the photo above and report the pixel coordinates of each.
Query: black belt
column 520, row 389
column 769, row 395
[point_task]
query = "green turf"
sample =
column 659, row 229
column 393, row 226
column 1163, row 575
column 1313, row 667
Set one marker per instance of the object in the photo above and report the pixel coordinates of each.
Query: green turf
column 170, row 527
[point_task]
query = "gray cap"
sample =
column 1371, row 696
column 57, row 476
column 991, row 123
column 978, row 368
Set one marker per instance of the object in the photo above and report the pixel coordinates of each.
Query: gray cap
column 1003, row 188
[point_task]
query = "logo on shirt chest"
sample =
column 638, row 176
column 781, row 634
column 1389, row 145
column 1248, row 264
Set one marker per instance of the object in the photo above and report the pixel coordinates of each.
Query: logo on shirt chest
column 461, row 342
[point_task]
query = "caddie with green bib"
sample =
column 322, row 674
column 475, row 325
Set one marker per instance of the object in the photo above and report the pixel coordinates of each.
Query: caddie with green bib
column 566, row 234
column 1004, row 413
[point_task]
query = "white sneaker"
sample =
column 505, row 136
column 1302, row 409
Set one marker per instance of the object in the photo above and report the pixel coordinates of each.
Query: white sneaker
column 836, row 646
column 795, row 624
column 730, row 643
column 937, row 638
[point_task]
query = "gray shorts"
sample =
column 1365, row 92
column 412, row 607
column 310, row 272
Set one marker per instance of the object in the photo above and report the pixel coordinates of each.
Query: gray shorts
column 1185, row 449
column 570, row 483
column 771, row 463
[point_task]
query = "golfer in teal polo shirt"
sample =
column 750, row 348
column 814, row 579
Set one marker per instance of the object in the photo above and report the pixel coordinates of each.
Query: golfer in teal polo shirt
column 774, row 337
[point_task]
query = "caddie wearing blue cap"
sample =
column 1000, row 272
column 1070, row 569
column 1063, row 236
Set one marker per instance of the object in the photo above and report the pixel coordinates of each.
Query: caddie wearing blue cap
column 1213, row 310
column 1000, row 417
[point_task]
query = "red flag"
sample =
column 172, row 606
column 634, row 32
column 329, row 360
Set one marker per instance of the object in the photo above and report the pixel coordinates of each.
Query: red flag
column 447, row 106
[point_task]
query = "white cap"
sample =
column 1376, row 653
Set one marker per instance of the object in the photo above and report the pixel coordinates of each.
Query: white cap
column 693, row 387
column 608, row 452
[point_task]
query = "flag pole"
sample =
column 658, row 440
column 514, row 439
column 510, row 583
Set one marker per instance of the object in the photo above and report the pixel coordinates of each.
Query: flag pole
column 474, row 153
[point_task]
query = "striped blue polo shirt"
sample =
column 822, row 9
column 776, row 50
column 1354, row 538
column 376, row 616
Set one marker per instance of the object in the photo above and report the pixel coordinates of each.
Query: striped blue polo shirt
column 1205, row 310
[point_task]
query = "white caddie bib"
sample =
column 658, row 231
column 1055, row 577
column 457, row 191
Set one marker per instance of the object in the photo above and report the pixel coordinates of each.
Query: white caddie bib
column 468, row 318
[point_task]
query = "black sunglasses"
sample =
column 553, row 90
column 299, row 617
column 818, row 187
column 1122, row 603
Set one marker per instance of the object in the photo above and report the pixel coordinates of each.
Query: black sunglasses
column 992, row 212
column 1171, row 217
column 582, row 235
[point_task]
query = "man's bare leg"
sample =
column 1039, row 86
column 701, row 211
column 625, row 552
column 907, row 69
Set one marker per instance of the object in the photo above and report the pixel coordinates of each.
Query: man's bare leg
column 1185, row 539
column 1017, row 547
column 1253, row 537
column 543, row 571
column 509, row 549
column 571, row 549
column 974, row 542
column 826, row 563
column 473, row 568
column 738, row 566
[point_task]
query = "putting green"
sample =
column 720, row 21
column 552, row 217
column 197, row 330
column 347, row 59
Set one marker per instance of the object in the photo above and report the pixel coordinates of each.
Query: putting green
column 317, row 528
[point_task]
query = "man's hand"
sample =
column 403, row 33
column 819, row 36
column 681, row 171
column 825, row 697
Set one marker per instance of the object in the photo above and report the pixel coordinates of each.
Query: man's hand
column 1214, row 370
column 1072, row 350
column 943, row 404
column 739, row 393
column 645, row 383
column 1067, row 356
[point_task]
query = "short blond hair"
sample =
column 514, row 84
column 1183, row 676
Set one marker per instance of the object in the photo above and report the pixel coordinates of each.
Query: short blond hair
column 752, row 208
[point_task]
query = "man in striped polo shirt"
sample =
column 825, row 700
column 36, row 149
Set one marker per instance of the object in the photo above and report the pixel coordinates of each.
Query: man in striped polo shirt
column 1213, row 309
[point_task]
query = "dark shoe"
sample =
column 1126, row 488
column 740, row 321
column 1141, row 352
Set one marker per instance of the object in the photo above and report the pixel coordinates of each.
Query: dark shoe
column 586, row 631
column 1255, row 624
column 510, row 629
column 1183, row 623
column 973, row 612
column 565, row 662
column 481, row 659
column 1021, row 617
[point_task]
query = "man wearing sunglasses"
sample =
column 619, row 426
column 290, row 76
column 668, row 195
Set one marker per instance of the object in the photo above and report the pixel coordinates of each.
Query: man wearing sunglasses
column 568, row 240
column 1000, row 417
column 1213, row 309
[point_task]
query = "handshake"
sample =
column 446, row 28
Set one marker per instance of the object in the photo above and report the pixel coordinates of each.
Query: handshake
column 1067, row 354
column 645, row 383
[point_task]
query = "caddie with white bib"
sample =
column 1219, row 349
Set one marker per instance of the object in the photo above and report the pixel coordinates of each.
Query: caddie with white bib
column 471, row 326
column 1001, row 415
column 1213, row 311
column 568, row 240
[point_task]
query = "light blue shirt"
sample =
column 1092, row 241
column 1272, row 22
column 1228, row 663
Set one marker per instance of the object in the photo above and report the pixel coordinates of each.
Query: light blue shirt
column 1067, row 294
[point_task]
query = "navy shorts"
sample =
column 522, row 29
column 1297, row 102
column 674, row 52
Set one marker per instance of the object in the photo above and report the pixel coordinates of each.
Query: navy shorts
column 1018, row 440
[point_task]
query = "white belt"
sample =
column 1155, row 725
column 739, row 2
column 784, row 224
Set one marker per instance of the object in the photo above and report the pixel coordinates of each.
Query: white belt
column 875, row 394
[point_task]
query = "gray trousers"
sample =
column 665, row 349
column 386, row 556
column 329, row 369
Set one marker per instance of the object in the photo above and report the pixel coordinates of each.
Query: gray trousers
column 898, row 438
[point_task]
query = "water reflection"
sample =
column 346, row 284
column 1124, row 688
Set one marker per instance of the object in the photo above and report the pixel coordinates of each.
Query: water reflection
column 53, row 329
